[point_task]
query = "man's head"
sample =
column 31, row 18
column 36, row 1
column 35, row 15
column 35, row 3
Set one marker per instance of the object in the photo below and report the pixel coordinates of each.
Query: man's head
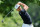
column 18, row 8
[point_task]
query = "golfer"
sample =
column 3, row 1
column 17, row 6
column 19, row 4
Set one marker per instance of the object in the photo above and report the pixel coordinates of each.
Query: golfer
column 27, row 22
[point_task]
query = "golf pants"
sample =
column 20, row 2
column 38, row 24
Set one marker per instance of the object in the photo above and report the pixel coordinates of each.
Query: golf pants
column 27, row 25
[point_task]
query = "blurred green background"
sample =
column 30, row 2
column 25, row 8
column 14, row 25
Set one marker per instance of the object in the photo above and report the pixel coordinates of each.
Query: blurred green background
column 14, row 19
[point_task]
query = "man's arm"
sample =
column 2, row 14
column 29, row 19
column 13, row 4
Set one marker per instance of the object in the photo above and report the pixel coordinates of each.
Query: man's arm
column 25, row 16
column 24, row 5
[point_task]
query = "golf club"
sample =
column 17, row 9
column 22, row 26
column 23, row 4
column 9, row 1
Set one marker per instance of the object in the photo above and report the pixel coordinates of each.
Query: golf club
column 6, row 16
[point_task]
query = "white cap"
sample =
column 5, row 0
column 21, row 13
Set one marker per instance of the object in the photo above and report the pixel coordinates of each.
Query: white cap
column 16, row 6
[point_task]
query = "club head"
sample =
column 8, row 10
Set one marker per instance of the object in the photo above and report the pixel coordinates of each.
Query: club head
column 2, row 21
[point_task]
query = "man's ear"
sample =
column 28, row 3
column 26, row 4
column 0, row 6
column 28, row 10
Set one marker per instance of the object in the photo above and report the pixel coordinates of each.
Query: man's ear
column 20, row 8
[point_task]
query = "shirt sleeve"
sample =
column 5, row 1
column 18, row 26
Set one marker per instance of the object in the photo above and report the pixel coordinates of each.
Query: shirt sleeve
column 23, row 11
column 25, row 16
